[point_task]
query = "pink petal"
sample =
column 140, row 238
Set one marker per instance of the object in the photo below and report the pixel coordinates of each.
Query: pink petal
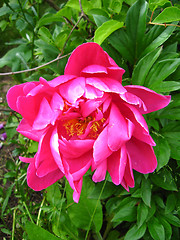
column 152, row 100
column 44, row 160
column 100, row 172
column 77, row 191
column 44, row 116
column 40, row 183
column 73, row 89
column 57, row 81
column 84, row 55
column 26, row 160
column 117, row 129
column 75, row 148
column 77, row 167
column 106, row 84
column 91, row 105
column 133, row 99
column 94, row 69
column 26, row 130
column 141, row 156
column 140, row 131
column 54, row 145
column 115, row 73
column 92, row 92
column 27, row 107
column 12, row 95
column 101, row 149
column 128, row 174
column 117, row 164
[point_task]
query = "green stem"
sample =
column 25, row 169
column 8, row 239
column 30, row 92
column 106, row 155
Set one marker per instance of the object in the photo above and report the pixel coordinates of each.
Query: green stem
column 28, row 212
column 13, row 226
column 40, row 209
column 92, row 217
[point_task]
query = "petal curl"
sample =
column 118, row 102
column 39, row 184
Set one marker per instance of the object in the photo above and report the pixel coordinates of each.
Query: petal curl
column 152, row 100
column 141, row 156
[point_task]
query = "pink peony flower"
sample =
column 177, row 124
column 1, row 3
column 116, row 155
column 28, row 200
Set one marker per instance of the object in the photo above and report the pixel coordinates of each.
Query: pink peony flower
column 86, row 118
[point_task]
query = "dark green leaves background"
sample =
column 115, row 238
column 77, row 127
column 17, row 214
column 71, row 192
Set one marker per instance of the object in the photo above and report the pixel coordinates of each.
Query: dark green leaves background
column 144, row 39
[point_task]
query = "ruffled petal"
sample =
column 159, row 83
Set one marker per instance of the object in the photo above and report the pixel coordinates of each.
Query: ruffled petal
column 75, row 148
column 26, row 130
column 118, row 132
column 40, row 183
column 106, row 84
column 141, row 155
column 73, row 89
column 84, row 55
column 92, row 92
column 13, row 94
column 101, row 149
column 100, row 172
column 57, row 81
column 152, row 100
column 117, row 164
column 94, row 69
column 44, row 160
column 44, row 116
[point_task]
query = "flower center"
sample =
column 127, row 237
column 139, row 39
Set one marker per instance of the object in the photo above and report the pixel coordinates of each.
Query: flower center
column 78, row 126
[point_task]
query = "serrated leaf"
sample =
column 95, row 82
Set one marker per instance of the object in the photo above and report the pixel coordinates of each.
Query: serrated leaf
column 135, row 233
column 169, row 14
column 146, row 192
column 140, row 72
column 105, row 30
column 156, row 229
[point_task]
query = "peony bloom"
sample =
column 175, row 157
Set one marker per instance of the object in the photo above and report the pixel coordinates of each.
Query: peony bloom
column 86, row 118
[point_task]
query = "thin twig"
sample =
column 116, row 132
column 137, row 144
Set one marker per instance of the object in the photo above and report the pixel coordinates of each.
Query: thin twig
column 36, row 68
column 71, row 33
column 84, row 15
column 164, row 24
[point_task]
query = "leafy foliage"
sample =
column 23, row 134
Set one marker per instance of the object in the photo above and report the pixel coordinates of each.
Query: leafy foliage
column 36, row 32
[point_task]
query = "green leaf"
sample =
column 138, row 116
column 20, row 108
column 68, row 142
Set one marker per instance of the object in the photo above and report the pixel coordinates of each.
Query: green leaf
column 81, row 214
column 142, row 212
column 160, row 71
column 36, row 232
column 135, row 232
column 140, row 72
column 156, row 229
column 162, row 151
column 172, row 219
column 136, row 26
column 146, row 192
column 167, row 227
column 172, row 114
column 105, row 30
column 164, row 180
column 116, row 5
column 167, row 86
column 53, row 194
column 45, row 34
column 48, row 19
column 156, row 37
column 169, row 14
column 170, row 203
column 5, row 202
column 126, row 211
column 153, row 4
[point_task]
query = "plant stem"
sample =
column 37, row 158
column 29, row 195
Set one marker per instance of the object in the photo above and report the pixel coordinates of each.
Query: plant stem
column 28, row 212
column 14, row 223
column 40, row 209
column 95, row 209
